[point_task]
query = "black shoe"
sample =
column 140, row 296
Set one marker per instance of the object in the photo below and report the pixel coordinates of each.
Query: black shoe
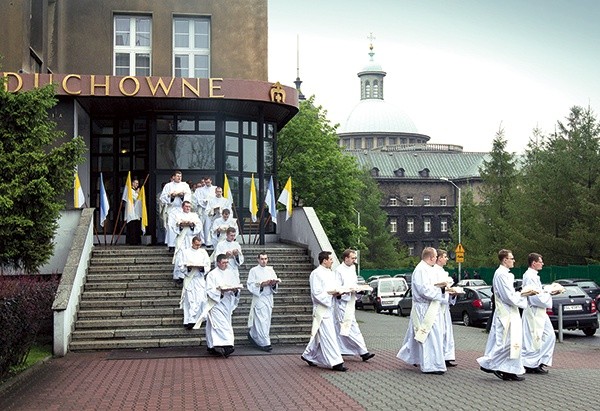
column 513, row 377
column 542, row 370
column 449, row 363
column 266, row 348
column 499, row 374
column 367, row 356
column 486, row 370
column 339, row 367
column 312, row 364
column 171, row 249
column 212, row 351
column 189, row 326
column 179, row 281
column 434, row 372
column 220, row 351
column 536, row 370
column 227, row 351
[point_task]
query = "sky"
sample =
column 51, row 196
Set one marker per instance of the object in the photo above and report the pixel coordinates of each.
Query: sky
column 460, row 69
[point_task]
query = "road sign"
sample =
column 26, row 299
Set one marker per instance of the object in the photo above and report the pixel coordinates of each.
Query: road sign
column 460, row 257
column 459, row 249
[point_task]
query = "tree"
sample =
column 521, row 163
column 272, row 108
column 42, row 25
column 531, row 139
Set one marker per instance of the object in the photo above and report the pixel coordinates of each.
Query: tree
column 560, row 191
column 37, row 170
column 499, row 181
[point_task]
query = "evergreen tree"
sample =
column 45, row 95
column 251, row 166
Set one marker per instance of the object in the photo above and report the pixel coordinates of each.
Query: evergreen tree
column 37, row 170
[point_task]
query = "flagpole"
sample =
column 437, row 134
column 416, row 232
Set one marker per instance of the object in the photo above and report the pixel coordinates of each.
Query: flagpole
column 112, row 240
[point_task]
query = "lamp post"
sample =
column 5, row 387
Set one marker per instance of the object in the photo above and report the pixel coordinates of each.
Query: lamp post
column 358, row 245
column 459, row 220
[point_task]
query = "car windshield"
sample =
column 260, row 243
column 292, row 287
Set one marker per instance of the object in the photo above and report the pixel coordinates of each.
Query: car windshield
column 393, row 286
column 587, row 284
column 485, row 292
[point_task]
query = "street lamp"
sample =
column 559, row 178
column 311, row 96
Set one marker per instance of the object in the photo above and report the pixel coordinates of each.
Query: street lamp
column 358, row 245
column 459, row 220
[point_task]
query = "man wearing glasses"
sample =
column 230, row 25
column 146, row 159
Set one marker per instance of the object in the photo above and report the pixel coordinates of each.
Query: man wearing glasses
column 502, row 355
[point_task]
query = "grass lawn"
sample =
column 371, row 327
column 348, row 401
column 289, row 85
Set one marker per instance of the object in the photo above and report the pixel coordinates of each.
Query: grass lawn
column 36, row 354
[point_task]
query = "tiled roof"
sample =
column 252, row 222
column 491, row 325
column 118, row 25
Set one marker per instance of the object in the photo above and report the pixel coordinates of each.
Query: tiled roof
column 453, row 165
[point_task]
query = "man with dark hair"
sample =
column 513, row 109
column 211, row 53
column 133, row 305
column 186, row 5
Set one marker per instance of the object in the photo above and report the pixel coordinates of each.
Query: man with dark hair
column 172, row 196
column 232, row 250
column 350, row 338
column 323, row 348
column 538, row 333
column 262, row 283
column 502, row 355
column 192, row 264
column 424, row 341
column 223, row 292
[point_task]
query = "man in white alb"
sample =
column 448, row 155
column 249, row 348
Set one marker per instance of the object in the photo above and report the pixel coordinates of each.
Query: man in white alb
column 172, row 196
column 350, row 338
column 232, row 249
column 262, row 283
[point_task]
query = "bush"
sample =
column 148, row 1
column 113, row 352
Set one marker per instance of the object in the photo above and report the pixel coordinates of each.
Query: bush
column 25, row 309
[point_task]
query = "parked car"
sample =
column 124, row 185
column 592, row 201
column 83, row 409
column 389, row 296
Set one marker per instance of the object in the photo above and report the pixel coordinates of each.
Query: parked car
column 579, row 310
column 363, row 299
column 405, row 304
column 387, row 292
column 474, row 307
column 590, row 287
column 360, row 280
column 406, row 276
column 470, row 283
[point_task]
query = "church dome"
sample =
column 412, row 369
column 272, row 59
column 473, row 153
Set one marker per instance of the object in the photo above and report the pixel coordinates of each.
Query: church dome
column 377, row 116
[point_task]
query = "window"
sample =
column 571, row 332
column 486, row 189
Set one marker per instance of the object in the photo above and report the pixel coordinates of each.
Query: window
column 393, row 225
column 427, row 224
column 393, row 201
column 443, row 201
column 444, row 225
column 380, row 141
column 358, row 142
column 191, row 47
column 410, row 201
column 369, row 141
column 410, row 225
column 132, row 45
column 411, row 250
column 426, row 200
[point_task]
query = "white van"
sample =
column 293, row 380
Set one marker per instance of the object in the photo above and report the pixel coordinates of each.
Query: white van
column 387, row 292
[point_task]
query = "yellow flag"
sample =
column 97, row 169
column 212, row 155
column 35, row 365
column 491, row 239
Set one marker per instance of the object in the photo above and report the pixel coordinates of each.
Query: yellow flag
column 253, row 206
column 128, row 198
column 286, row 198
column 142, row 198
column 78, row 195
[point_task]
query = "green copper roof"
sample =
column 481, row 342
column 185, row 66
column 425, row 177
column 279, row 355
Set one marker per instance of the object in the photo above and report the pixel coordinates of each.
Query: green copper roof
column 453, row 165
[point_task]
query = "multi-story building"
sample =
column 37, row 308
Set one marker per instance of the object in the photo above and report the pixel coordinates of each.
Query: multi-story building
column 421, row 205
column 154, row 86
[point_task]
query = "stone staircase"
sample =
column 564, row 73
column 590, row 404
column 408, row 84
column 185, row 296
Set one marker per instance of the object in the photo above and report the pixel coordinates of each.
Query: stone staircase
column 130, row 300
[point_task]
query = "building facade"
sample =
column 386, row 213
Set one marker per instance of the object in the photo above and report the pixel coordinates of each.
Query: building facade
column 153, row 87
column 414, row 175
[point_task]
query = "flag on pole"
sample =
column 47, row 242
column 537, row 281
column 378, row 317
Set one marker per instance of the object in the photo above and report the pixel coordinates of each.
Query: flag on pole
column 286, row 198
column 227, row 193
column 270, row 201
column 142, row 198
column 78, row 195
column 104, row 204
column 253, row 205
column 128, row 198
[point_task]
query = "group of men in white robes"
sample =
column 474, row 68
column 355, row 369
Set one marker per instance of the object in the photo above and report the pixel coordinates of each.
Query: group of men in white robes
column 172, row 197
column 334, row 331
column 519, row 345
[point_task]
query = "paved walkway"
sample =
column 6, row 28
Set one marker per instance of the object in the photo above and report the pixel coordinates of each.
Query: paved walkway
column 187, row 379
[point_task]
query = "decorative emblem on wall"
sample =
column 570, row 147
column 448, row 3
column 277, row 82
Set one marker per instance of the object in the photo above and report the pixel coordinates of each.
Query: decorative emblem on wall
column 277, row 93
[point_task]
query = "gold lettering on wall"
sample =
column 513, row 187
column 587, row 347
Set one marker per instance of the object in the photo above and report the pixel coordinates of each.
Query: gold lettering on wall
column 122, row 87
column 186, row 85
column 19, row 82
column 161, row 84
column 212, row 87
column 65, row 84
column 94, row 85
